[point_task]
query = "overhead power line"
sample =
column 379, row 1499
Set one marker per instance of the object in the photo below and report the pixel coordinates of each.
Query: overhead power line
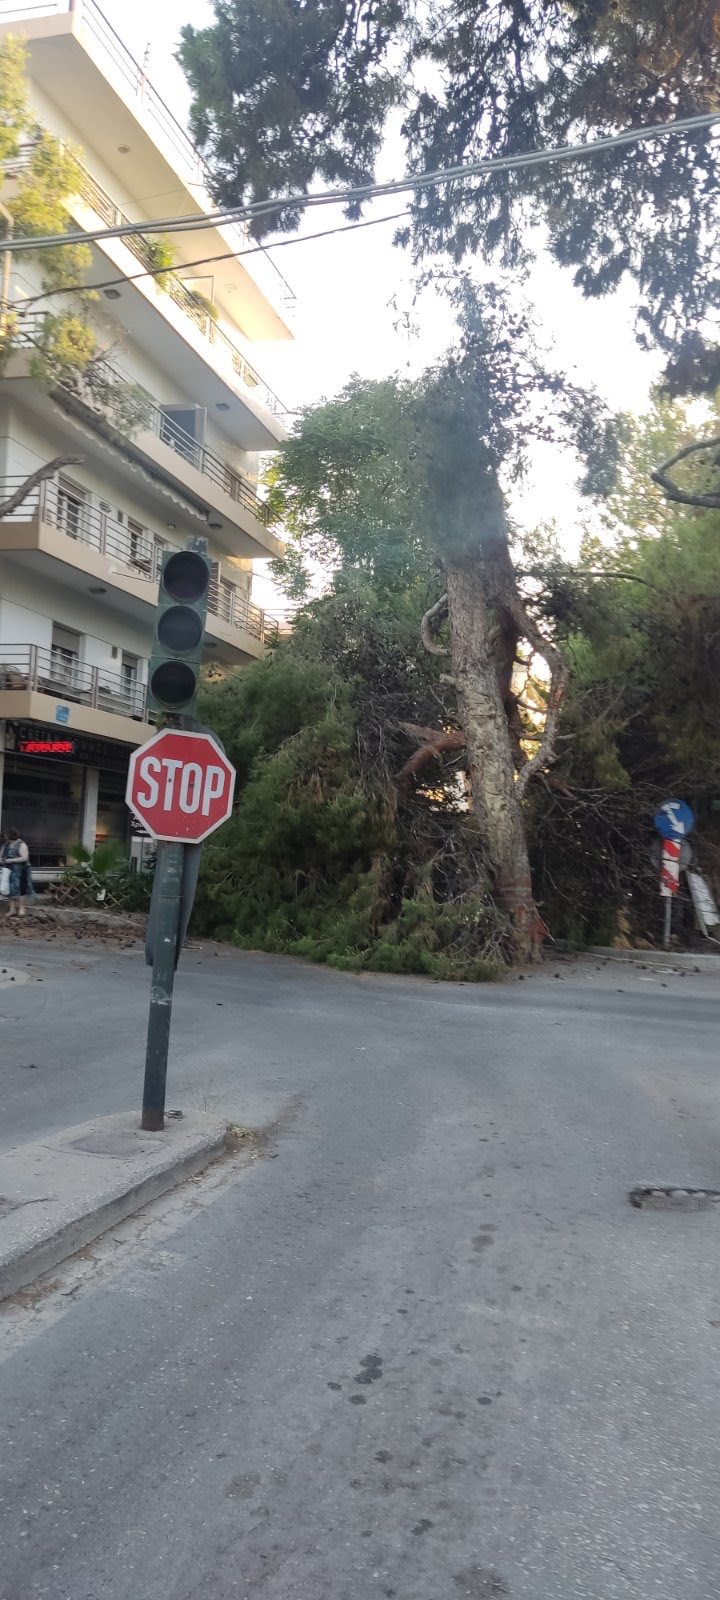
column 412, row 182
column 209, row 261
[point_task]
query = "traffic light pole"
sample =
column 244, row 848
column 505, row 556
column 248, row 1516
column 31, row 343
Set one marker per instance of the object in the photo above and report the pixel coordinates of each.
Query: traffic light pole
column 169, row 874
column 173, row 677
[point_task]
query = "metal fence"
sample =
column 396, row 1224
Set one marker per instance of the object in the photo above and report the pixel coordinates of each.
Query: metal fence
column 136, row 548
column 61, row 674
column 158, row 114
column 156, row 419
column 172, row 285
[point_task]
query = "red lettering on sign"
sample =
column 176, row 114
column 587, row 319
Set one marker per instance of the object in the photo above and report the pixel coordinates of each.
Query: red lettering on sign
column 46, row 747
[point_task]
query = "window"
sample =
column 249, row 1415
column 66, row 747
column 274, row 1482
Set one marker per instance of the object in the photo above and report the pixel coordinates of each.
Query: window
column 70, row 506
column 182, row 427
column 139, row 545
column 129, row 669
column 129, row 676
column 65, row 654
column 160, row 548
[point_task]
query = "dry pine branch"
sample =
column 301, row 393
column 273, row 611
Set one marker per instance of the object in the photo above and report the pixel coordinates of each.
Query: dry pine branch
column 430, row 621
column 40, row 475
column 685, row 497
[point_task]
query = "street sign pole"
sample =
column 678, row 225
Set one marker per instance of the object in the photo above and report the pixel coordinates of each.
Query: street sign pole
column 180, row 788
column 667, row 929
column 173, row 678
column 669, row 881
column 169, row 873
column 673, row 821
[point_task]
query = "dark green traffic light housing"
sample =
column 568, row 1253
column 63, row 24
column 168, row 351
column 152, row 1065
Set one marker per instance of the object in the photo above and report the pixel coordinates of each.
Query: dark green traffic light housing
column 174, row 671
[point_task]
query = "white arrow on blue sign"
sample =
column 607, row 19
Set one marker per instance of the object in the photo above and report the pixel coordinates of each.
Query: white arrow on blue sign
column 674, row 820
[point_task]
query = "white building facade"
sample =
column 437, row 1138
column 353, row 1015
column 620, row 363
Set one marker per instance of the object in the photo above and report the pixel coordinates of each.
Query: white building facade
column 177, row 457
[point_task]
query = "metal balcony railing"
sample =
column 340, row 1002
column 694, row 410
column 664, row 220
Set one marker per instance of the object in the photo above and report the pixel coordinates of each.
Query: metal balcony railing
column 61, row 674
column 234, row 607
column 104, row 207
column 139, row 550
column 135, row 78
column 29, row 333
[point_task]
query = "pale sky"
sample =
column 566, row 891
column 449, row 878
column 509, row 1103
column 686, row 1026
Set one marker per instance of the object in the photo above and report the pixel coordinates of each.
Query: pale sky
column 345, row 322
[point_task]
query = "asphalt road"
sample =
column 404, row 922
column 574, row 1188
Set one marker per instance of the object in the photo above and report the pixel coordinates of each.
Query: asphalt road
column 427, row 1352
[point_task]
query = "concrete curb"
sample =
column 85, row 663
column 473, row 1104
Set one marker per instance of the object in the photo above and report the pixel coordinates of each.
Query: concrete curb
column 60, row 1193
column 707, row 961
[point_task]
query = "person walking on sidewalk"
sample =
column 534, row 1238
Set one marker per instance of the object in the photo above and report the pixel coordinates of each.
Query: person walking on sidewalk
column 16, row 857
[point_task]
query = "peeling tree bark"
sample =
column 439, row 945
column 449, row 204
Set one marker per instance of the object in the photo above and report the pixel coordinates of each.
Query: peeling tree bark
column 430, row 621
column 487, row 620
column 484, row 720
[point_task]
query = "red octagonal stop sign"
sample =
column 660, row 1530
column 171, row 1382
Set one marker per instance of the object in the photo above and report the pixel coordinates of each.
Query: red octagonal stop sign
column 180, row 785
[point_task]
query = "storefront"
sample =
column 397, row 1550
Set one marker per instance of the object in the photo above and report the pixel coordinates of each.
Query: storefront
column 61, row 788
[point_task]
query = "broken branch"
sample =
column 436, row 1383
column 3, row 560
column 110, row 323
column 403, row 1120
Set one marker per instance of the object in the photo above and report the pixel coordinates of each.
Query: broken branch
column 432, row 744
column 673, row 491
column 40, row 475
column 430, row 621
column 559, row 674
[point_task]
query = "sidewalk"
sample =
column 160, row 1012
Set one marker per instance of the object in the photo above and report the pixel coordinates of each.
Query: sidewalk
column 59, row 1193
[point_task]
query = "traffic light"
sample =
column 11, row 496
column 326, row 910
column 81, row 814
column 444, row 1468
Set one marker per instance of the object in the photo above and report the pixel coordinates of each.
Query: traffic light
column 179, row 631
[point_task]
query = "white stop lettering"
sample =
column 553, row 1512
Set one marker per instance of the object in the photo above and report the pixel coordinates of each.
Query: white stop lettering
column 190, row 788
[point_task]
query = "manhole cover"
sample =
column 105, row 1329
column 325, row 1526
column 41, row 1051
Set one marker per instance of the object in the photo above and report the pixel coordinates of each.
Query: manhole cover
column 120, row 1145
column 647, row 1199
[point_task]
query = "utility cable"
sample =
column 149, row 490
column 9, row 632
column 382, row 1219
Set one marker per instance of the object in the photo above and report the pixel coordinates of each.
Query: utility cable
column 206, row 261
column 415, row 182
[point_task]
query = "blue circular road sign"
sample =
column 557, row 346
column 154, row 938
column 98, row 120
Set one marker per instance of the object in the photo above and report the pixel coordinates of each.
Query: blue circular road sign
column 674, row 820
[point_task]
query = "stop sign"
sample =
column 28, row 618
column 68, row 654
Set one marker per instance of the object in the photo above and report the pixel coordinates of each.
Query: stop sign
column 180, row 785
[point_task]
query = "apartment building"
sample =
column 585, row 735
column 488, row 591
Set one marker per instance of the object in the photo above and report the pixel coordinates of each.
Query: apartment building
column 79, row 557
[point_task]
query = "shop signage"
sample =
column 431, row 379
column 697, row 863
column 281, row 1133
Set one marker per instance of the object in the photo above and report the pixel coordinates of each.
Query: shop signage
column 46, row 747
column 34, row 739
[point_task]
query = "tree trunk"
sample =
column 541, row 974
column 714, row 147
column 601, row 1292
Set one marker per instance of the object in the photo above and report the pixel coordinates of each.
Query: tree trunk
column 474, row 644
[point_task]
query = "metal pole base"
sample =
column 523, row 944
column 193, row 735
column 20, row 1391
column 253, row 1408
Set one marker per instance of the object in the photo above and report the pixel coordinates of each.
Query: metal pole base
column 170, row 871
column 152, row 1121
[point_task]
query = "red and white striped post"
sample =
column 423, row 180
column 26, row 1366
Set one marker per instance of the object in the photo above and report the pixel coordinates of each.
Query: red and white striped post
column 669, row 881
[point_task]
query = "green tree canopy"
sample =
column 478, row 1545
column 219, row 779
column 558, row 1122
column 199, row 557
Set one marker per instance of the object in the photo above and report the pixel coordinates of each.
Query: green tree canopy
column 398, row 478
column 639, row 618
column 331, row 854
column 400, row 472
column 353, row 842
column 286, row 94
column 40, row 174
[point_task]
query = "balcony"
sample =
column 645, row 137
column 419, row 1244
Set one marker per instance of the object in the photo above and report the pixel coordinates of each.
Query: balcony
column 132, row 556
column 169, row 283
column 222, row 350
column 120, row 60
column 79, row 59
column 31, row 668
column 145, row 421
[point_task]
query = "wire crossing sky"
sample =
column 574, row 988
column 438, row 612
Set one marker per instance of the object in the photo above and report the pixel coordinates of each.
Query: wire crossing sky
column 413, row 182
